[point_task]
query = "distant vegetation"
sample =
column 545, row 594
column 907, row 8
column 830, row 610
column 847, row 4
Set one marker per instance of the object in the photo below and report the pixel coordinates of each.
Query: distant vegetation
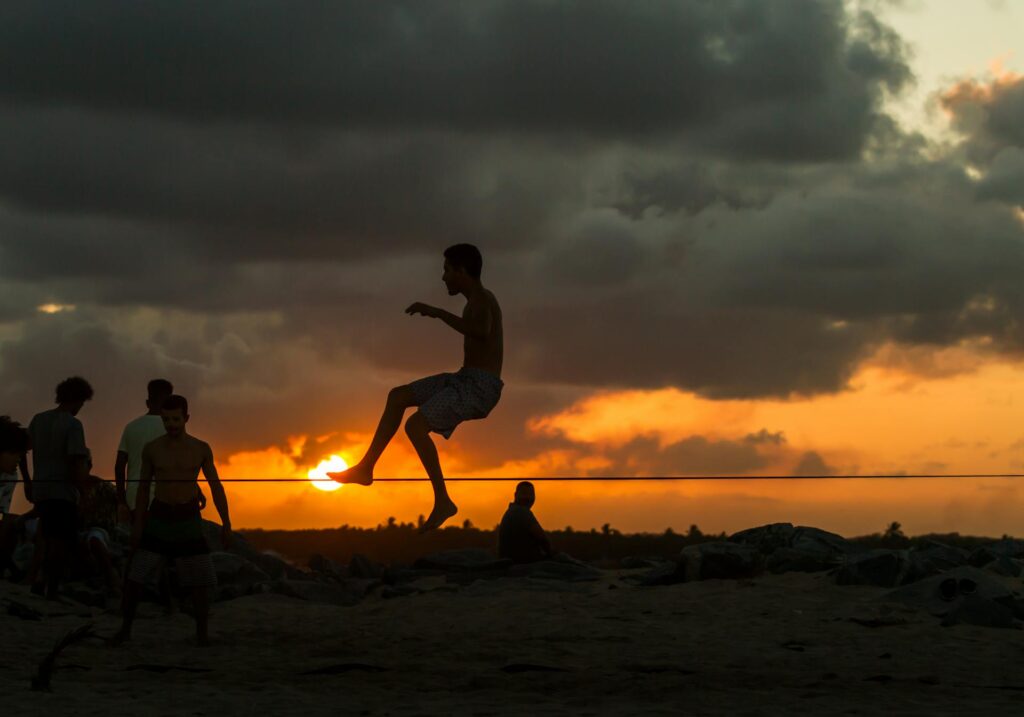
column 395, row 542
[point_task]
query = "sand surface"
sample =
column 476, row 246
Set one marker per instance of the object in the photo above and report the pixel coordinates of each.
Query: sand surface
column 775, row 645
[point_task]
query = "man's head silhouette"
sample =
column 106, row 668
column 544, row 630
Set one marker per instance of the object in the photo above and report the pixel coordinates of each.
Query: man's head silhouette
column 525, row 494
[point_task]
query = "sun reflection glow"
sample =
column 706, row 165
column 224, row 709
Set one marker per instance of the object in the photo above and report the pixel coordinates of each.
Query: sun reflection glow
column 318, row 476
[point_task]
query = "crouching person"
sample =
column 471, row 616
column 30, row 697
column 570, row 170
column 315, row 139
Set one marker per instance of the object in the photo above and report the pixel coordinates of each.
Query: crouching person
column 171, row 527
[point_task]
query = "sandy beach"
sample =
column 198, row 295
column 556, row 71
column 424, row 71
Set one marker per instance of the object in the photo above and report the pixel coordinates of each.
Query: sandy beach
column 777, row 644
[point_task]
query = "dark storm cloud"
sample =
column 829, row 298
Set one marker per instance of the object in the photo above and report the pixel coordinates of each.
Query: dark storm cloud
column 989, row 114
column 695, row 455
column 786, row 69
column 666, row 193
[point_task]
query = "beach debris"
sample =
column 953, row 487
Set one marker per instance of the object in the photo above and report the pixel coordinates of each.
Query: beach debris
column 40, row 681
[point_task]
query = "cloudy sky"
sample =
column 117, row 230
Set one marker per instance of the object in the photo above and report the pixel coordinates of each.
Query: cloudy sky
column 729, row 237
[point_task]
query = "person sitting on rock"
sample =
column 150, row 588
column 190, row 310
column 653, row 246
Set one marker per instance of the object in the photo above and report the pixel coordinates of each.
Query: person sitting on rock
column 520, row 537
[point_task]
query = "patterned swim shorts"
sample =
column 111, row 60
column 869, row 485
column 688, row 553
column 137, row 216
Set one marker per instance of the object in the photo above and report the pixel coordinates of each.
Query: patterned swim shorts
column 448, row 399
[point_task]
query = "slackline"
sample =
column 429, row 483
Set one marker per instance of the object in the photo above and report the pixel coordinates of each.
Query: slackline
column 606, row 479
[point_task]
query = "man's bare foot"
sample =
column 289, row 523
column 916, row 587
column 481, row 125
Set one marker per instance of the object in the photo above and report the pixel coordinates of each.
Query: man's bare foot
column 356, row 474
column 120, row 638
column 441, row 512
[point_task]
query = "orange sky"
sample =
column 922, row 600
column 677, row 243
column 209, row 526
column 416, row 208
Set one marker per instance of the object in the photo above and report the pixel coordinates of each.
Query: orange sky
column 949, row 412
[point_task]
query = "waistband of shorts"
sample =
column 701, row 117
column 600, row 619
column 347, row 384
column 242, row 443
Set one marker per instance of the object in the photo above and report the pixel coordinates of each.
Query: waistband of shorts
column 175, row 511
column 481, row 373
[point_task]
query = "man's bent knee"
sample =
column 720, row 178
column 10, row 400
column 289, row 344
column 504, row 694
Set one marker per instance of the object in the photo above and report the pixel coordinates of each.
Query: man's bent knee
column 416, row 425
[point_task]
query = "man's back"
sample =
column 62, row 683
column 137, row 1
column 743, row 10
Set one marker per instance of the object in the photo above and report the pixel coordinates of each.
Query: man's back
column 485, row 352
column 57, row 440
column 518, row 534
column 136, row 435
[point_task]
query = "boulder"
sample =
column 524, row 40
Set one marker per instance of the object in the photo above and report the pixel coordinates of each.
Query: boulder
column 792, row 560
column 666, row 573
column 569, row 570
column 766, row 538
column 884, row 568
column 1007, row 567
column 361, row 566
column 720, row 560
column 801, row 548
column 235, row 570
column 325, row 567
column 465, row 560
column 1010, row 547
column 311, row 591
column 987, row 601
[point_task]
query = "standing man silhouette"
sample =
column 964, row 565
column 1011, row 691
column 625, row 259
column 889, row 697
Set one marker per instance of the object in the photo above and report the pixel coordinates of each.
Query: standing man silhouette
column 447, row 399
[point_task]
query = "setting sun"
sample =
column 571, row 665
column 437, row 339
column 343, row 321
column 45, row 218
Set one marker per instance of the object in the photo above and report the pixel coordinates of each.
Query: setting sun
column 318, row 476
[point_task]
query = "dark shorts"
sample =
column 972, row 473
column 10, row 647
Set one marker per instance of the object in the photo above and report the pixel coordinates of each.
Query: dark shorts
column 58, row 519
column 447, row 399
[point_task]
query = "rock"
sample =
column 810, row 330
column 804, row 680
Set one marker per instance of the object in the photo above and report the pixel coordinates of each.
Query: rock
column 987, row 601
column 311, row 591
column 1010, row 547
column 790, row 560
column 235, row 570
column 801, row 548
column 571, row 571
column 1005, row 566
column 975, row 610
column 465, row 560
column 361, row 566
column 326, row 567
column 720, row 560
column 667, row 573
column 982, row 556
column 766, row 538
column 635, row 563
column 884, row 568
column 931, row 559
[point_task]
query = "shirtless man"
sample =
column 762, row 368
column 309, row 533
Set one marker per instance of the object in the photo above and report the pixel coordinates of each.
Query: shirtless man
column 447, row 399
column 171, row 526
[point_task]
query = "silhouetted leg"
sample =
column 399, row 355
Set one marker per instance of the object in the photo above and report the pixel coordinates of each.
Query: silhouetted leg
column 101, row 555
column 361, row 473
column 57, row 550
column 129, row 604
column 419, row 433
column 201, row 604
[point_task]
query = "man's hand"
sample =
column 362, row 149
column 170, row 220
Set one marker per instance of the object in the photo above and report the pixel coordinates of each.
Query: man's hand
column 225, row 535
column 202, row 500
column 425, row 309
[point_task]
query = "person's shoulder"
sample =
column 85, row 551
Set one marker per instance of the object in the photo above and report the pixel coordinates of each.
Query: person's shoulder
column 199, row 443
column 154, row 444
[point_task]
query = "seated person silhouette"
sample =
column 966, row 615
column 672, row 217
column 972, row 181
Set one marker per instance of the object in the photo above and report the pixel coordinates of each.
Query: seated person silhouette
column 520, row 537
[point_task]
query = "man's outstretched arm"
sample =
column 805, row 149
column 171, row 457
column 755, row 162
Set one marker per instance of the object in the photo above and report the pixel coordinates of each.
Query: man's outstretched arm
column 476, row 323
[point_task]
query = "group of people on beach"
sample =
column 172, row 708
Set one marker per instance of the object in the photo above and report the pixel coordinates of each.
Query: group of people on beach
column 158, row 463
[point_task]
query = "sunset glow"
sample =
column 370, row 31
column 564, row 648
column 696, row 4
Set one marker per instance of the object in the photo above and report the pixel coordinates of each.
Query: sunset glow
column 318, row 476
